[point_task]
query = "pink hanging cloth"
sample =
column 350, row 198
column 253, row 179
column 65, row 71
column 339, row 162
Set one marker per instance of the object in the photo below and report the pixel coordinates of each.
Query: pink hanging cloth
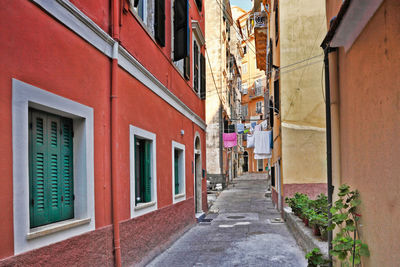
column 230, row 139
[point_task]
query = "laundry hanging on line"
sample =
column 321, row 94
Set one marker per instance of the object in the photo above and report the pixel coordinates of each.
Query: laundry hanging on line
column 262, row 145
column 240, row 128
column 230, row 139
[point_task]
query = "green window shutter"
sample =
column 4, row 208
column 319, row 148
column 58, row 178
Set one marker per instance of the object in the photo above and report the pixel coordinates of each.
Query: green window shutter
column 203, row 77
column 176, row 169
column 50, row 160
column 67, row 186
column 147, row 171
column 53, row 176
column 39, row 211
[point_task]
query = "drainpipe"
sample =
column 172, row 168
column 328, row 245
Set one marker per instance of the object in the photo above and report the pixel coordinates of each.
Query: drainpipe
column 114, row 128
column 327, row 50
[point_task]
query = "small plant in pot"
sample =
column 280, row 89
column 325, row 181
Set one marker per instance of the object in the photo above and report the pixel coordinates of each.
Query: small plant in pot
column 315, row 258
column 297, row 203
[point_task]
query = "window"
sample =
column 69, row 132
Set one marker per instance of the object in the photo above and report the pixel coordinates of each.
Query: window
column 152, row 15
column 196, row 67
column 244, row 111
column 260, row 165
column 276, row 22
column 276, row 96
column 271, row 112
column 61, row 140
column 273, row 176
column 259, row 106
column 199, row 4
column 180, row 36
column 244, row 88
column 178, row 172
column 143, row 171
column 245, row 49
column 258, row 87
column 199, row 62
column 239, row 84
column 244, row 68
column 51, row 188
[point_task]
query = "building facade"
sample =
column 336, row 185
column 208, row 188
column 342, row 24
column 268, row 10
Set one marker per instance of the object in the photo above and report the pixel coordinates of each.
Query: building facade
column 364, row 59
column 223, row 93
column 253, row 88
column 103, row 131
column 294, row 71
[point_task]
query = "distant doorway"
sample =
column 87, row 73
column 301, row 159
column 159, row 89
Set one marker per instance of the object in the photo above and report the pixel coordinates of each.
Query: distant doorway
column 245, row 161
column 197, row 175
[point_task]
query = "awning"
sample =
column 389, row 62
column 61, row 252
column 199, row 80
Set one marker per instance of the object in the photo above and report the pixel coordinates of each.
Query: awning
column 353, row 16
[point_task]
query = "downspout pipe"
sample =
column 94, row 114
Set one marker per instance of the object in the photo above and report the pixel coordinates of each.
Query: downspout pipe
column 114, row 128
column 327, row 50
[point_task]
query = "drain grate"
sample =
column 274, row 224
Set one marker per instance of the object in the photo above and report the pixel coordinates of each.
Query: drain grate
column 235, row 217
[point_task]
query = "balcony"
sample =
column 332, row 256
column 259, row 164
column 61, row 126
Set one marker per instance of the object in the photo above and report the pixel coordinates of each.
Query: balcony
column 256, row 92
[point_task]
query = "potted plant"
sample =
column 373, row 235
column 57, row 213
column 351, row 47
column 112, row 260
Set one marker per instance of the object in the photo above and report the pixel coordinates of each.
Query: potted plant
column 315, row 258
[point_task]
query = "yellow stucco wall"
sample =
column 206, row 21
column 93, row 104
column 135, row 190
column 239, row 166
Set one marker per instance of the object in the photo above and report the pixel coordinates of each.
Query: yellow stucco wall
column 302, row 29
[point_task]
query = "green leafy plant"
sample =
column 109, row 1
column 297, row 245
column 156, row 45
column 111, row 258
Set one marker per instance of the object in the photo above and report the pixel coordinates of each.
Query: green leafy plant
column 315, row 258
column 346, row 247
column 298, row 203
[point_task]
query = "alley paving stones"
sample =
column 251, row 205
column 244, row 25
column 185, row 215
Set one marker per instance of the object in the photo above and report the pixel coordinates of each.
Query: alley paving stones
column 241, row 234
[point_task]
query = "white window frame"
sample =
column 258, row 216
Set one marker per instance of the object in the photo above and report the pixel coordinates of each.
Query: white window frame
column 245, row 87
column 25, row 96
column 143, row 208
column 148, row 19
column 259, row 107
column 182, row 173
column 194, row 38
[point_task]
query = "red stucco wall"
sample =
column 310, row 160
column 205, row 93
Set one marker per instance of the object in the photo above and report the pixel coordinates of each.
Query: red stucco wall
column 34, row 50
column 41, row 51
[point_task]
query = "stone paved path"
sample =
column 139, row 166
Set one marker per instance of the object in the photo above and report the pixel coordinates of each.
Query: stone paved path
column 240, row 234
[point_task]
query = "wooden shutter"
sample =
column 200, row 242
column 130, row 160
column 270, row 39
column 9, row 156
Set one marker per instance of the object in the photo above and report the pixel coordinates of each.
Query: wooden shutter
column 67, row 201
column 187, row 68
column 195, row 66
column 199, row 4
column 54, row 164
column 276, row 96
column 180, row 29
column 159, row 22
column 271, row 113
column 39, row 210
column 147, row 171
column 203, row 77
column 51, row 169
column 176, row 169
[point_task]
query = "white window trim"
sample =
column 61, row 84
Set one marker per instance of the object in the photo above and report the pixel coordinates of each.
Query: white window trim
column 144, row 208
column 194, row 38
column 182, row 195
column 25, row 96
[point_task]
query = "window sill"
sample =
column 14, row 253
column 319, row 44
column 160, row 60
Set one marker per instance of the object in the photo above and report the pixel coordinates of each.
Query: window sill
column 55, row 227
column 144, row 206
column 179, row 196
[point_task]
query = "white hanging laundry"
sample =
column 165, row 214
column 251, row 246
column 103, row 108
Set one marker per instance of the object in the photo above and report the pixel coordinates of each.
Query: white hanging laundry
column 262, row 142
column 250, row 141
column 264, row 125
column 257, row 128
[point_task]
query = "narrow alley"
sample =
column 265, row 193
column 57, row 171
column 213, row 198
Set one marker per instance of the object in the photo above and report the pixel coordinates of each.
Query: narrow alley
column 244, row 232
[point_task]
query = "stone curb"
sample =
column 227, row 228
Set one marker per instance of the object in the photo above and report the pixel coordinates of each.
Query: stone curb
column 303, row 235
